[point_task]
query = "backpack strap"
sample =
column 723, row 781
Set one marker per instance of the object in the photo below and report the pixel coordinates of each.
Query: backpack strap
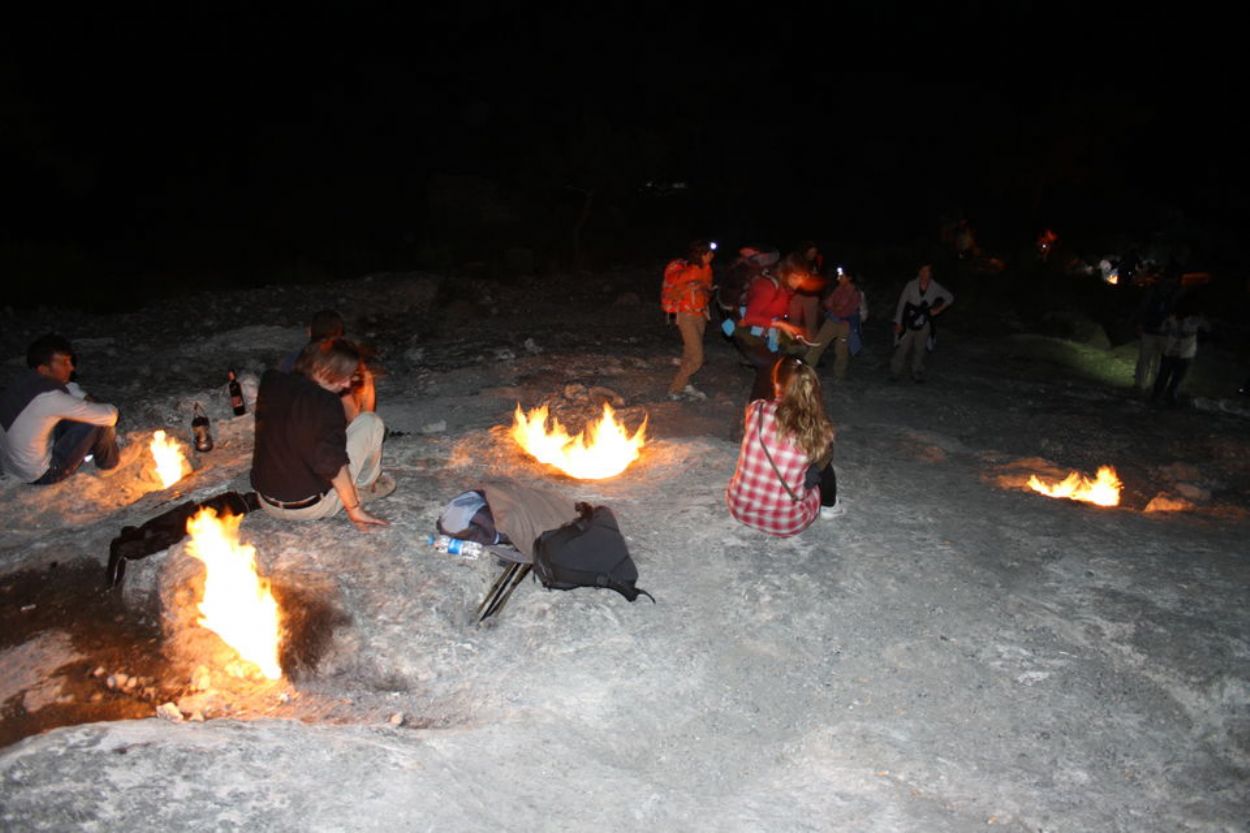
column 759, row 425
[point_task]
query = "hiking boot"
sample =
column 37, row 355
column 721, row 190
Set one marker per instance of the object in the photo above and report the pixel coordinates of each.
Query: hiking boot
column 378, row 489
column 691, row 392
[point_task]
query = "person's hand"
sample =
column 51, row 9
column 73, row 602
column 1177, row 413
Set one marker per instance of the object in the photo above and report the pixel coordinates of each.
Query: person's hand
column 363, row 520
column 898, row 328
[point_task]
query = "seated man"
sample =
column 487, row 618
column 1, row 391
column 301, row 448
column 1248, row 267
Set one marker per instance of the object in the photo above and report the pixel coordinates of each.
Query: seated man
column 328, row 324
column 48, row 426
column 309, row 459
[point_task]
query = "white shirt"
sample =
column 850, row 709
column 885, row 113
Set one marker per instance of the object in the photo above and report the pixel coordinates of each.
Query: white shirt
column 26, row 448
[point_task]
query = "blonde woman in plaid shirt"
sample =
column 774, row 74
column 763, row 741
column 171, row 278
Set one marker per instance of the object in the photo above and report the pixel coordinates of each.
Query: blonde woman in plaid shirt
column 785, row 464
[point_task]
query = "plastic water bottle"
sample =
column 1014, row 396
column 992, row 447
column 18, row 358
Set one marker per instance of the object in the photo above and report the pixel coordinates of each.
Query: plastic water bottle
column 454, row 546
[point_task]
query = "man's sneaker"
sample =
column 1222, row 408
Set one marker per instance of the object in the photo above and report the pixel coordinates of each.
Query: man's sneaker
column 694, row 393
column 380, row 488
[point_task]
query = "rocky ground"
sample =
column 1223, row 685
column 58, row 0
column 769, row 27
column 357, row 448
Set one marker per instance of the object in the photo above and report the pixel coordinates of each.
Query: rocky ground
column 954, row 651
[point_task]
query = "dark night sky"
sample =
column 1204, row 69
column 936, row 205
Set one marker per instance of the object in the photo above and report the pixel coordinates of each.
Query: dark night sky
column 236, row 142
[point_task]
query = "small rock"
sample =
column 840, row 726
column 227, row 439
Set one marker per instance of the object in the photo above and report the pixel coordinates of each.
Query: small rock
column 111, row 682
column 397, row 719
column 197, row 717
column 1192, row 492
column 131, row 683
column 99, row 671
column 121, row 679
column 27, row 608
column 201, row 680
column 97, row 697
column 434, row 427
column 532, row 347
column 168, row 711
column 284, row 698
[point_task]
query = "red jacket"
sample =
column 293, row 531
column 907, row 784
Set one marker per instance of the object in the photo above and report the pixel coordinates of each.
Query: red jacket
column 767, row 299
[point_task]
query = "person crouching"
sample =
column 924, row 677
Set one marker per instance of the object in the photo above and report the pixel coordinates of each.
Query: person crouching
column 310, row 457
column 785, row 464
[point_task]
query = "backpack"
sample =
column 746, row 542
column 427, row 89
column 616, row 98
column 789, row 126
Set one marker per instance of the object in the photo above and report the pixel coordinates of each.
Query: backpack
column 469, row 518
column 167, row 529
column 587, row 552
column 673, row 289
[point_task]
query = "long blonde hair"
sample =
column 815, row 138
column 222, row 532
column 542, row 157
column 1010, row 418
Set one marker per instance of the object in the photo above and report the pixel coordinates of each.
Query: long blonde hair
column 800, row 409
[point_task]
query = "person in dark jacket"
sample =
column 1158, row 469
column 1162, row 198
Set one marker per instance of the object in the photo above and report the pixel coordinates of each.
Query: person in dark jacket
column 309, row 460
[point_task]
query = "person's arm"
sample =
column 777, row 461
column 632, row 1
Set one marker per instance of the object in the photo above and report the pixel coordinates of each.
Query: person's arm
column 946, row 297
column 68, row 406
column 350, row 498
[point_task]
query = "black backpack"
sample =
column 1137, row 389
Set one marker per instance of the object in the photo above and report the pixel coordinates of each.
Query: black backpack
column 167, row 529
column 587, row 552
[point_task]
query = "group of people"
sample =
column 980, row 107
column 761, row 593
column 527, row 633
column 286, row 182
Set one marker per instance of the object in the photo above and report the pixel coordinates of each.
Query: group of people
column 318, row 438
column 782, row 314
column 772, row 306
column 318, row 443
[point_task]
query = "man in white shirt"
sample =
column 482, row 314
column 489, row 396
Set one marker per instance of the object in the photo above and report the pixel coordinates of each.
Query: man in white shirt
column 921, row 299
column 48, row 425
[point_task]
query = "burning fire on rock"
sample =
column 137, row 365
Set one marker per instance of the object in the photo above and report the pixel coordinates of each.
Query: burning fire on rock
column 603, row 449
column 169, row 459
column 238, row 605
column 1103, row 490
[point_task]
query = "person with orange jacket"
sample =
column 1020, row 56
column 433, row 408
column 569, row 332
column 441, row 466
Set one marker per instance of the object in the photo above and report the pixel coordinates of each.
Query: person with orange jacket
column 684, row 296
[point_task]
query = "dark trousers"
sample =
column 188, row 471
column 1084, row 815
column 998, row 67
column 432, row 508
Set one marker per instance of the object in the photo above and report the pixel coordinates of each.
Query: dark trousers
column 828, row 480
column 1172, row 371
column 72, row 442
column 755, row 350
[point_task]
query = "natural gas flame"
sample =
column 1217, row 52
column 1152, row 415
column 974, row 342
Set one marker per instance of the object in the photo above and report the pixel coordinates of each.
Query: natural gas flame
column 169, row 459
column 604, row 449
column 237, row 604
column 1103, row 490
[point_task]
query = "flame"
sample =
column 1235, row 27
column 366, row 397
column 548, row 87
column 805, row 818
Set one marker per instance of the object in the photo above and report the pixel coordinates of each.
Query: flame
column 1103, row 490
column 607, row 453
column 169, row 458
column 237, row 604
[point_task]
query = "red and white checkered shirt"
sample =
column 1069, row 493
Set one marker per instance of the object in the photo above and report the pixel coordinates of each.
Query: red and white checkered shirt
column 755, row 495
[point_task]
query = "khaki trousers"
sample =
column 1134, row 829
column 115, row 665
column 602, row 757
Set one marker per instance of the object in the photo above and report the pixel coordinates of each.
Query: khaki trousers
column 691, row 326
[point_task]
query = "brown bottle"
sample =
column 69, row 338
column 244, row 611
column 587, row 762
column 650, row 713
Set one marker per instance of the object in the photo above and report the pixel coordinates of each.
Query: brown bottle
column 236, row 394
column 200, row 428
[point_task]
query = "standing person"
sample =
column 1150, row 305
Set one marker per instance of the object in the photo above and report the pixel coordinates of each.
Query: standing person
column 805, row 305
column 684, row 296
column 844, row 315
column 920, row 301
column 309, row 460
column 48, row 425
column 785, row 463
column 1180, row 331
column 765, row 330
column 1152, row 317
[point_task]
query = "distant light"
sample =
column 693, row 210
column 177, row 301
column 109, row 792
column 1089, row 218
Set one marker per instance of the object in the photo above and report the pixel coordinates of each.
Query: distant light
column 712, row 245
